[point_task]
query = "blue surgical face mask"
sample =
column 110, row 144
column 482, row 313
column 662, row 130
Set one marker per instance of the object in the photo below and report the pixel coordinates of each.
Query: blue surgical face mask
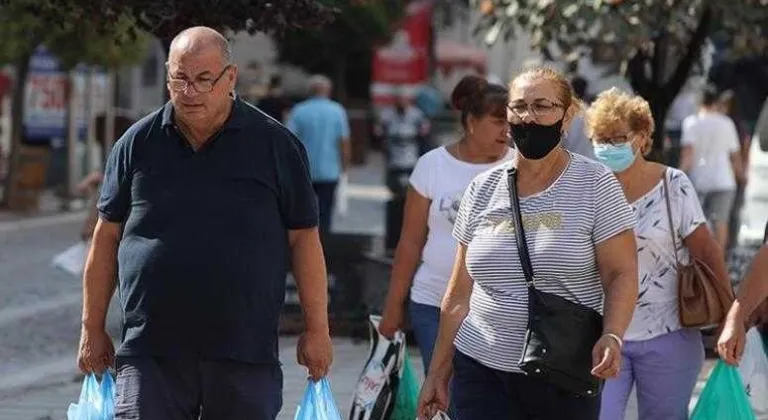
column 617, row 157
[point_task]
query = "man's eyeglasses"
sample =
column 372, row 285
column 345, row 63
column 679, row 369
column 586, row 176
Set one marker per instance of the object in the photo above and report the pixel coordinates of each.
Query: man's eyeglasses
column 200, row 85
column 537, row 109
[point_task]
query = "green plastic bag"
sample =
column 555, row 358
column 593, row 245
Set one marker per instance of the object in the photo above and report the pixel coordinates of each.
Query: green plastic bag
column 723, row 397
column 407, row 393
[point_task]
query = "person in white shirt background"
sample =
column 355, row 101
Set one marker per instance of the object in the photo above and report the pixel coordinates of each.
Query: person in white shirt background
column 425, row 253
column 711, row 157
column 684, row 105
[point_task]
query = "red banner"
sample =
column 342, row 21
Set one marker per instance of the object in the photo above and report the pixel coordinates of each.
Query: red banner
column 405, row 61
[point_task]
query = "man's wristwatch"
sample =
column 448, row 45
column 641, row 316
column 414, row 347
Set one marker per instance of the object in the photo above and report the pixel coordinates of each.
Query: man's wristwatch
column 615, row 338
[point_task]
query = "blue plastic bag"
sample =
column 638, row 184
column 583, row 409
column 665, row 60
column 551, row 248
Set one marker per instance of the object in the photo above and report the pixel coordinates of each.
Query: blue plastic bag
column 96, row 402
column 723, row 397
column 318, row 403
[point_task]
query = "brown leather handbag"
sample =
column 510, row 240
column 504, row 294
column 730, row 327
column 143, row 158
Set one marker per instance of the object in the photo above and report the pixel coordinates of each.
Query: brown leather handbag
column 703, row 298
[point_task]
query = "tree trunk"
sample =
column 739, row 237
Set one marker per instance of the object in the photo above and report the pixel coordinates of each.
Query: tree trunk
column 659, row 92
column 659, row 108
column 17, row 125
column 109, row 116
column 73, row 134
column 341, row 79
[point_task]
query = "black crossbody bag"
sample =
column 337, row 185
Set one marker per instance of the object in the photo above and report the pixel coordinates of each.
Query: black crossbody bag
column 561, row 334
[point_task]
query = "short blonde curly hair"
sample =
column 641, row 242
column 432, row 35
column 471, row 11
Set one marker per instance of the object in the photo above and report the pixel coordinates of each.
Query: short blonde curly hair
column 614, row 111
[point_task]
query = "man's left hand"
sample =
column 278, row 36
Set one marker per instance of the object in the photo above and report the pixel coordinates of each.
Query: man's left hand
column 315, row 352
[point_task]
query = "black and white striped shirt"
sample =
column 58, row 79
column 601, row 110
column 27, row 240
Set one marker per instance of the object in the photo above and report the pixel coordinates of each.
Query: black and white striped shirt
column 563, row 223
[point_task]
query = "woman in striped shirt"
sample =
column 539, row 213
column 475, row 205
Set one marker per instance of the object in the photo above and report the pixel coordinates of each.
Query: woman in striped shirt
column 578, row 228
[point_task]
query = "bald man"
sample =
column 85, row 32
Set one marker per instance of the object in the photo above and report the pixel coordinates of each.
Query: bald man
column 202, row 203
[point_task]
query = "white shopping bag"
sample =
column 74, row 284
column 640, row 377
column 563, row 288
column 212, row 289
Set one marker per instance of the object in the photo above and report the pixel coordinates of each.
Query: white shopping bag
column 754, row 371
column 73, row 259
column 342, row 198
column 374, row 396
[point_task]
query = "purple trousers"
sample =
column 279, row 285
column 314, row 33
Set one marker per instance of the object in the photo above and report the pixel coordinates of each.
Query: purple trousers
column 664, row 369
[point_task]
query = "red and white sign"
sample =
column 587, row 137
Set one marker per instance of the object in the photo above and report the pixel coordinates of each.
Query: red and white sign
column 404, row 63
column 45, row 98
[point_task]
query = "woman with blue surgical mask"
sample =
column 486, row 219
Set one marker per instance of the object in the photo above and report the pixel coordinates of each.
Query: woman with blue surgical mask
column 660, row 357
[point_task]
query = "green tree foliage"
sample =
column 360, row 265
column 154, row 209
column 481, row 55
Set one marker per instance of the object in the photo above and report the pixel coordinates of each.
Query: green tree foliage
column 75, row 43
column 343, row 49
column 166, row 18
column 68, row 33
column 655, row 43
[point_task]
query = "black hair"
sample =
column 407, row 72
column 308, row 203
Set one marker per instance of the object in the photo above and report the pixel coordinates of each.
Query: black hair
column 475, row 96
column 710, row 95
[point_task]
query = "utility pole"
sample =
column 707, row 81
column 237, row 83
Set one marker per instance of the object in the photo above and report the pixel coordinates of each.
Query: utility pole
column 109, row 114
column 72, row 135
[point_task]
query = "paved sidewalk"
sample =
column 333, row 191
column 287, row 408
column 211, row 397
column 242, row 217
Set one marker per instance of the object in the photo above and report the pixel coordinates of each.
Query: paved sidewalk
column 51, row 403
column 49, row 205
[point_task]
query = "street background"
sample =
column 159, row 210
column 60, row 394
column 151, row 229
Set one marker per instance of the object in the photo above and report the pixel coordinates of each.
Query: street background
column 72, row 79
column 39, row 321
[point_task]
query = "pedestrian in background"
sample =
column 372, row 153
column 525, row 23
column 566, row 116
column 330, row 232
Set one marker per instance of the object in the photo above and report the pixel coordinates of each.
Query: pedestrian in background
column 578, row 231
column 274, row 103
column 212, row 195
column 576, row 139
column 322, row 126
column 661, row 359
column 711, row 157
column 425, row 252
column 730, row 107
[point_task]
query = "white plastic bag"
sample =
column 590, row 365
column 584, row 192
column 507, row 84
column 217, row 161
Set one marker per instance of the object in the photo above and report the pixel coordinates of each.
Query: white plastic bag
column 342, row 198
column 97, row 400
column 318, row 402
column 754, row 371
column 72, row 260
column 375, row 392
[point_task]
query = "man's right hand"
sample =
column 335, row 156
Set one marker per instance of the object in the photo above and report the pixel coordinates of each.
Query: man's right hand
column 97, row 353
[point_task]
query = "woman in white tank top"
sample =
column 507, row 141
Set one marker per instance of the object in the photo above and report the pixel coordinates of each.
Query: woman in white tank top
column 426, row 250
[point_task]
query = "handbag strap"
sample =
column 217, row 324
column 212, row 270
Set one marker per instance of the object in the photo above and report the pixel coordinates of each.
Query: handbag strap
column 517, row 219
column 669, row 216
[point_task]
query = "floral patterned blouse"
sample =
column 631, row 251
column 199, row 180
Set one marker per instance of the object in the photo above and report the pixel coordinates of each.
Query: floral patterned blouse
column 657, row 311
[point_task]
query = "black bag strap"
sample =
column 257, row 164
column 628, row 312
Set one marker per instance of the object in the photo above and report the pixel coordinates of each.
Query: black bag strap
column 517, row 219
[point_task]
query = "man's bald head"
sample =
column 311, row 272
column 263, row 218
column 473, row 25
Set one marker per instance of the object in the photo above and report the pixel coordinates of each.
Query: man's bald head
column 201, row 76
column 198, row 39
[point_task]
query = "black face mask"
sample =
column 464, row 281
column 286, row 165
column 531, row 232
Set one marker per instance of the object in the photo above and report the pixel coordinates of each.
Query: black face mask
column 535, row 141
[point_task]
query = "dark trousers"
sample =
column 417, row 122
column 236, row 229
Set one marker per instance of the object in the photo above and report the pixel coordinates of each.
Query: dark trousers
column 326, row 200
column 734, row 221
column 675, row 148
column 189, row 388
column 482, row 393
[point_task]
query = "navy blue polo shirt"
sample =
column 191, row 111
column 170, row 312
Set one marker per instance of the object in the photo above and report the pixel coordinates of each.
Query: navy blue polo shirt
column 204, row 252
